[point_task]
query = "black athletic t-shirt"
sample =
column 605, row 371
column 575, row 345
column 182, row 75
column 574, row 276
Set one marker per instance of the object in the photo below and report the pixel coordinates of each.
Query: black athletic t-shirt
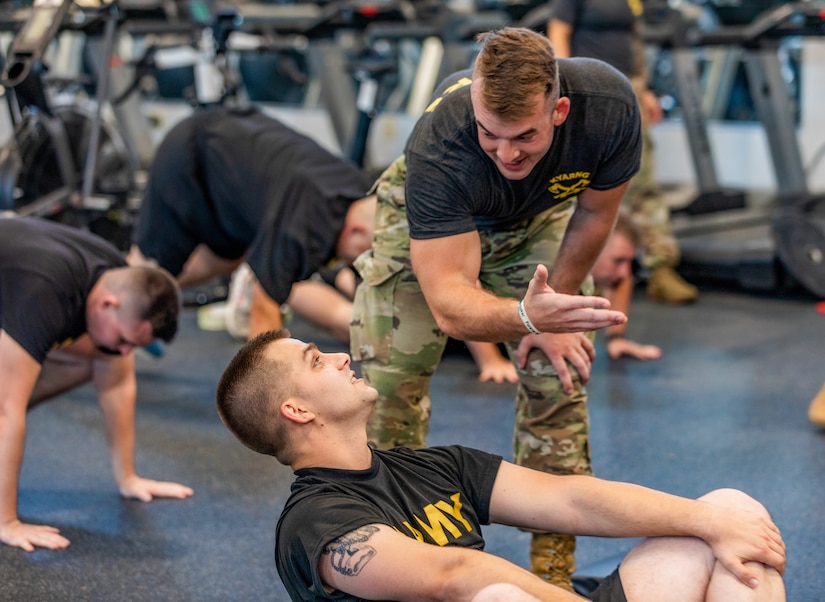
column 602, row 29
column 242, row 182
column 47, row 270
column 452, row 187
column 439, row 495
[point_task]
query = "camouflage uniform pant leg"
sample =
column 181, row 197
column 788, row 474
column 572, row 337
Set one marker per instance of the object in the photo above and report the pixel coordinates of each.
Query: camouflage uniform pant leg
column 551, row 426
column 393, row 333
column 648, row 207
column 402, row 414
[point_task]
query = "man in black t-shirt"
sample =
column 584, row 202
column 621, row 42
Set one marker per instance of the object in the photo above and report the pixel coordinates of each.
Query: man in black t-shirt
column 231, row 185
column 71, row 311
column 401, row 524
column 511, row 178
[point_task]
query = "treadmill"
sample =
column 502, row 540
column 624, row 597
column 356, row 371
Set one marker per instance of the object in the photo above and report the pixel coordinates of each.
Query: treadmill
column 770, row 243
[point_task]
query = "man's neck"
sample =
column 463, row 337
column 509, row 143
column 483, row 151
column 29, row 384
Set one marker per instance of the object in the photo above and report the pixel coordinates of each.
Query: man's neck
column 349, row 455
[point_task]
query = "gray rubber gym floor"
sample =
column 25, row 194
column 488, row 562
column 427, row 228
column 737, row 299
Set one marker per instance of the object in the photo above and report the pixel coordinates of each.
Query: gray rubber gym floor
column 725, row 407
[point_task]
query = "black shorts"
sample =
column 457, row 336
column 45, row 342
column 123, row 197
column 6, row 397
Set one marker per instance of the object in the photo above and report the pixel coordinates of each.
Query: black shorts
column 175, row 216
column 610, row 589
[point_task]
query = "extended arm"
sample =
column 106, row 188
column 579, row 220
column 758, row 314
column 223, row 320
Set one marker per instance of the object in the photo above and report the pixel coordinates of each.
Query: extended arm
column 375, row 562
column 586, row 505
column 447, row 269
column 114, row 378
column 18, row 373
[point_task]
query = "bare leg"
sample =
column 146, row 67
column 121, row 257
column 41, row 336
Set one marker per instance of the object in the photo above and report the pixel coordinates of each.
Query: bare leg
column 264, row 313
column 503, row 592
column 684, row 568
column 203, row 265
column 322, row 305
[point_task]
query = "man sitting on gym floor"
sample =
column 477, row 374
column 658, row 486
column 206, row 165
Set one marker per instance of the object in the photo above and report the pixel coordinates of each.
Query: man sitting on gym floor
column 406, row 525
column 71, row 312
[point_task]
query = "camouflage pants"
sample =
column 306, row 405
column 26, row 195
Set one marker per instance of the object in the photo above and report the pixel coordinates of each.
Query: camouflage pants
column 399, row 345
column 647, row 206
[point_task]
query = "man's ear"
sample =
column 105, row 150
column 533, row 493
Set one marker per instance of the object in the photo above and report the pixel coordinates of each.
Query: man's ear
column 104, row 299
column 561, row 111
column 111, row 300
column 292, row 410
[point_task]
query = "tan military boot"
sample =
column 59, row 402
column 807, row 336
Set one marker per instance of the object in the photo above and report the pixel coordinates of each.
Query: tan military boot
column 665, row 285
column 552, row 557
column 816, row 412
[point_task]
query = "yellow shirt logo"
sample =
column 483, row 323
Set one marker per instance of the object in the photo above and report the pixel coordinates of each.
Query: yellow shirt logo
column 440, row 519
column 566, row 185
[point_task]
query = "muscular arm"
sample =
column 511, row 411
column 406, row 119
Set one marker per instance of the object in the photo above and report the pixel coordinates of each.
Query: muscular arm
column 589, row 506
column 116, row 385
column 585, row 237
column 18, row 375
column 447, row 269
column 375, row 562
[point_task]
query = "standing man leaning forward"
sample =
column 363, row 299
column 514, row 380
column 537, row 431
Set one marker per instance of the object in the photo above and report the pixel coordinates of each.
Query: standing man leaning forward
column 71, row 312
column 407, row 524
column 513, row 178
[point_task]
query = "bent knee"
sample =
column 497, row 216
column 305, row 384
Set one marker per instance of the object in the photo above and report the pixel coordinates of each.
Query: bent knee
column 503, row 592
column 734, row 498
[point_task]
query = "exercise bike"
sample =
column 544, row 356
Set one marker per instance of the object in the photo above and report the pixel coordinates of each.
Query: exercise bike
column 64, row 161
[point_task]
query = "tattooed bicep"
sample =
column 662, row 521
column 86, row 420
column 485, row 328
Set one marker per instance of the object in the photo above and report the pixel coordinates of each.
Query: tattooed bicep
column 349, row 553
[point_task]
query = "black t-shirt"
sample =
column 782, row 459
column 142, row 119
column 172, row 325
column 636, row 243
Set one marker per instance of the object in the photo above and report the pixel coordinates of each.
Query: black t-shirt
column 439, row 495
column 46, row 273
column 602, row 29
column 453, row 187
column 253, row 186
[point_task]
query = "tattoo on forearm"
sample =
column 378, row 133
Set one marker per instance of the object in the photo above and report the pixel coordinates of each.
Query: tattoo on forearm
column 350, row 553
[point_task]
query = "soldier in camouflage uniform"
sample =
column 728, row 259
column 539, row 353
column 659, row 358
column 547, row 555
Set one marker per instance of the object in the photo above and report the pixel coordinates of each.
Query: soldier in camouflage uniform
column 469, row 221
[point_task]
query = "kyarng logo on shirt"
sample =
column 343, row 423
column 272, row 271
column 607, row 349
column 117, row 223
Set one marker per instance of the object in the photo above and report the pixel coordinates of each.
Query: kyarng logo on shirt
column 570, row 184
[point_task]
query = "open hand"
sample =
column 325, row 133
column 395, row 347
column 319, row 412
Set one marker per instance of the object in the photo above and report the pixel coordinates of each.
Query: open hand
column 550, row 311
column 146, row 490
column 20, row 535
column 619, row 346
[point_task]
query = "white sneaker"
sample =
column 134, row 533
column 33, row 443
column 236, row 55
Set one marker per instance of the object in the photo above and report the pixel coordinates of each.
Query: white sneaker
column 239, row 302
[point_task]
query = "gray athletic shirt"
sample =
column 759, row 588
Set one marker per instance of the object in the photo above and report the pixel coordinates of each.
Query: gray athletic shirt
column 452, row 187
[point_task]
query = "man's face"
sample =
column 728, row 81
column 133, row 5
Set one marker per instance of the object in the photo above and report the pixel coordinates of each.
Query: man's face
column 114, row 334
column 615, row 262
column 326, row 380
column 516, row 146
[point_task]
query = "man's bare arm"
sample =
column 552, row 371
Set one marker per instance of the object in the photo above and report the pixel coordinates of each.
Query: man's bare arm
column 375, row 562
column 18, row 375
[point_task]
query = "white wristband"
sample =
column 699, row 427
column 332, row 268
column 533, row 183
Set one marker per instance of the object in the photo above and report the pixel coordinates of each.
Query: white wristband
column 527, row 323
